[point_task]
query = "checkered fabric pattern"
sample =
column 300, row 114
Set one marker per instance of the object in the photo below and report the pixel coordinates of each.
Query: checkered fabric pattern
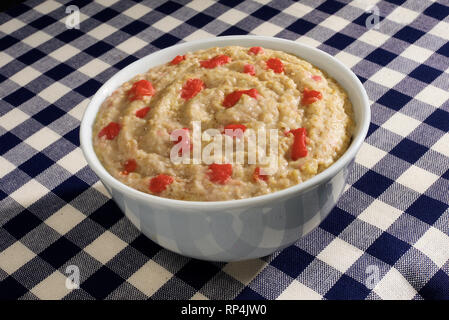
column 388, row 237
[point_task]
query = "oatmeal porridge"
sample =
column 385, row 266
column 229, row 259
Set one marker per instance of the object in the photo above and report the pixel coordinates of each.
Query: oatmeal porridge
column 230, row 89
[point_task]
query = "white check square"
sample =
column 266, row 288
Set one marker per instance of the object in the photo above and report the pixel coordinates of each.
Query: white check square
column 347, row 59
column 200, row 5
column 232, row 16
column 47, row 6
column 13, row 118
column 334, row 23
column 150, row 277
column 374, row 38
column 416, row 53
column 199, row 296
column 433, row 96
column 14, row 257
column 54, row 92
column 137, row 11
column 387, row 77
column 435, row 245
column 5, row 58
column 298, row 10
column 244, row 271
column 167, row 24
column 94, row 67
column 308, row 41
column 380, row 215
column 11, row 25
column 401, row 124
column 267, row 29
column 298, row 291
column 102, row 31
column 132, row 45
column 64, row 53
column 403, row 15
column 369, row 155
column 440, row 30
column 29, row 193
column 442, row 145
column 393, row 286
column 37, row 38
column 105, row 247
column 417, row 179
column 25, row 75
column 74, row 161
column 78, row 111
column 52, row 288
column 340, row 255
column 42, row 138
column 65, row 219
column 5, row 167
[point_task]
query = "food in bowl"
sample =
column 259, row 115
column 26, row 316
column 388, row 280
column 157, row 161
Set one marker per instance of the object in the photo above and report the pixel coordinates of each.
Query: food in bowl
column 236, row 90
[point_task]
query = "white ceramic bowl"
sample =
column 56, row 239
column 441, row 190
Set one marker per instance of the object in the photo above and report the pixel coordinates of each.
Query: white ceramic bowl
column 238, row 229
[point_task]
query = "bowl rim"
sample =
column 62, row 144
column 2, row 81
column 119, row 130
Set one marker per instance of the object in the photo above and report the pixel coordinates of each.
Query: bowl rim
column 357, row 139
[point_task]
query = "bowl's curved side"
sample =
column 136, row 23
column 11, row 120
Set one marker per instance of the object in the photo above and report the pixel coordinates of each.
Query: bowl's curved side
column 234, row 234
column 239, row 229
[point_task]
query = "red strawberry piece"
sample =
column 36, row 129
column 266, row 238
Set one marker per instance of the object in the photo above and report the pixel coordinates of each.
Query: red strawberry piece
column 141, row 89
column 215, row 61
column 160, row 183
column 176, row 60
column 258, row 176
column 299, row 149
column 232, row 98
column 129, row 166
column 141, row 113
column 234, row 127
column 186, row 141
column 310, row 96
column 110, row 131
column 191, row 88
column 220, row 173
column 275, row 64
column 249, row 69
column 255, row 50
column 253, row 93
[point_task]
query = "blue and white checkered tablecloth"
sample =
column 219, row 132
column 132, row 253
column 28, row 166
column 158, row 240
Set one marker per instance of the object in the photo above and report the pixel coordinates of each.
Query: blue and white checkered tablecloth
column 388, row 237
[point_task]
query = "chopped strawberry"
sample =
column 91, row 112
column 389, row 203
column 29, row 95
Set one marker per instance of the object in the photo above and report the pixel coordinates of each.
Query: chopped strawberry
column 129, row 166
column 110, row 131
column 177, row 60
column 275, row 64
column 215, row 61
column 186, row 141
column 310, row 96
column 234, row 127
column 258, row 176
column 253, row 93
column 220, row 173
column 299, row 149
column 249, row 69
column 317, row 78
column 180, row 138
column 160, row 183
column 191, row 88
column 232, row 98
column 255, row 50
column 140, row 89
column 141, row 113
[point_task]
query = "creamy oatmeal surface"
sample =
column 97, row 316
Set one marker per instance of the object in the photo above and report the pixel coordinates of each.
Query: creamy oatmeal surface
column 223, row 88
